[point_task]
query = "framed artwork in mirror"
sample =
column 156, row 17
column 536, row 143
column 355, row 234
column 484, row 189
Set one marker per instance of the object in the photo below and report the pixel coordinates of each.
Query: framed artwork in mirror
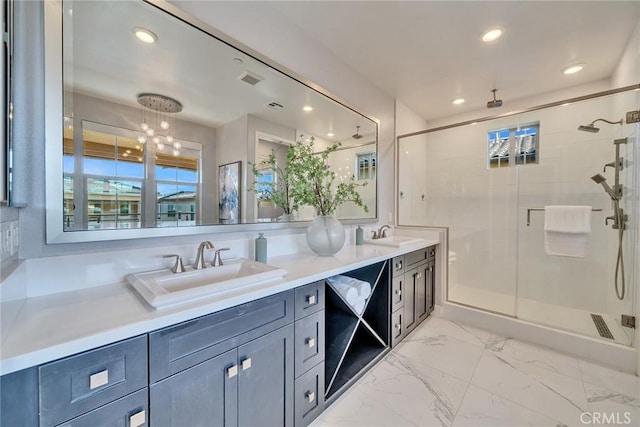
column 229, row 192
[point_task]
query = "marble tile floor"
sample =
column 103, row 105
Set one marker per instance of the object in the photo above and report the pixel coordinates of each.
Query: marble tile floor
column 449, row 374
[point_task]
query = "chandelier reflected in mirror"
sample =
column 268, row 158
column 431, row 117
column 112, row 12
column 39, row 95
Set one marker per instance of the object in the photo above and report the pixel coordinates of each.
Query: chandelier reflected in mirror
column 158, row 121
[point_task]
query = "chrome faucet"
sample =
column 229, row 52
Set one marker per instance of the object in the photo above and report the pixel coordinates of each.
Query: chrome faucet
column 217, row 260
column 200, row 263
column 381, row 233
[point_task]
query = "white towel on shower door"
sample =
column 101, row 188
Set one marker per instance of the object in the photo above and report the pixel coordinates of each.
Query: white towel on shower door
column 567, row 230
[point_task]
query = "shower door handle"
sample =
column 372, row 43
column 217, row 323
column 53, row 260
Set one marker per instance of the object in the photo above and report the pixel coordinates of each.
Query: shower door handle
column 612, row 218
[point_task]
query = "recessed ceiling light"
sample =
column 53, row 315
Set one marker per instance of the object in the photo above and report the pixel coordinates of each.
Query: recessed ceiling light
column 572, row 69
column 491, row 35
column 458, row 101
column 307, row 108
column 330, row 134
column 145, row 35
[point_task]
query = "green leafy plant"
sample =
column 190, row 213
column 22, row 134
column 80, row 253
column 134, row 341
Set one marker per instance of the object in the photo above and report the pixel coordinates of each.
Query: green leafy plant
column 312, row 182
column 279, row 189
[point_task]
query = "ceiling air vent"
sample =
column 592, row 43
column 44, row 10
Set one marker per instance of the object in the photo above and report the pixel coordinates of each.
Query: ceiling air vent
column 275, row 106
column 251, row 78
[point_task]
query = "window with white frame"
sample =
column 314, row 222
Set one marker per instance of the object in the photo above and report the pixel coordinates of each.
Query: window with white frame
column 366, row 166
column 516, row 145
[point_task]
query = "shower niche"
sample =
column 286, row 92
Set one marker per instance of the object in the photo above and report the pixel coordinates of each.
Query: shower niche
column 355, row 341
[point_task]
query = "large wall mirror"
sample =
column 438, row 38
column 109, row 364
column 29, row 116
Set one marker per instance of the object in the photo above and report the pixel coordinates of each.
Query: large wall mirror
column 154, row 121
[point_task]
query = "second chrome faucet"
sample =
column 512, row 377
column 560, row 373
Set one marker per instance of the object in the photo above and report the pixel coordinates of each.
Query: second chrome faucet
column 200, row 262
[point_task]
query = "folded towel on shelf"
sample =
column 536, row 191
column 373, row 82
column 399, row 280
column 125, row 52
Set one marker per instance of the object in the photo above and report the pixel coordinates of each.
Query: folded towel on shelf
column 567, row 230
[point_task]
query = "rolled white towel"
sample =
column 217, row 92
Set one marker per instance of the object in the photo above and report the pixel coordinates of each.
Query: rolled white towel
column 363, row 288
column 348, row 292
column 359, row 305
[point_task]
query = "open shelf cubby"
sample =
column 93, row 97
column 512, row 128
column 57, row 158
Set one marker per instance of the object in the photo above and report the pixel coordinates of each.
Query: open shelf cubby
column 355, row 340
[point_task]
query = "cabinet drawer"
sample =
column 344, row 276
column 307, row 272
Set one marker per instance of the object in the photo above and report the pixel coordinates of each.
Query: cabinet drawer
column 397, row 328
column 397, row 290
column 398, row 265
column 309, row 400
column 417, row 256
column 309, row 342
column 130, row 411
column 182, row 346
column 78, row 384
column 309, row 299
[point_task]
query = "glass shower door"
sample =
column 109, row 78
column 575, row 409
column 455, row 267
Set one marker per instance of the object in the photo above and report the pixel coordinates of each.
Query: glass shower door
column 455, row 185
column 577, row 293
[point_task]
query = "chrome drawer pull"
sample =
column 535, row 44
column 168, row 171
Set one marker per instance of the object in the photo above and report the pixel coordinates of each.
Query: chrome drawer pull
column 311, row 299
column 232, row 371
column 246, row 363
column 399, row 265
column 311, row 396
column 137, row 419
column 310, row 342
column 99, row 379
column 398, row 292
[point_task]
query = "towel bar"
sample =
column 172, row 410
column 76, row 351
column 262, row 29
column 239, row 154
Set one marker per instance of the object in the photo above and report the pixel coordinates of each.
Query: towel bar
column 542, row 209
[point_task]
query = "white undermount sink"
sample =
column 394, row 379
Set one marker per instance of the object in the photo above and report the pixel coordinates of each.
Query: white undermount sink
column 162, row 288
column 393, row 241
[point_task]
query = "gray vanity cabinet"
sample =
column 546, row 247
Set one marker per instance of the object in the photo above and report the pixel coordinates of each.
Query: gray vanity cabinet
column 251, row 385
column 309, row 352
column 230, row 368
column 412, row 291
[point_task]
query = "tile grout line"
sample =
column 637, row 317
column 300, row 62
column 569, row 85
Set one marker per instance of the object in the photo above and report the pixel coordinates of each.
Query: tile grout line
column 455, row 416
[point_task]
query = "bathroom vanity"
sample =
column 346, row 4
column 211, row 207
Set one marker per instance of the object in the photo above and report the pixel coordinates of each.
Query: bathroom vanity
column 276, row 359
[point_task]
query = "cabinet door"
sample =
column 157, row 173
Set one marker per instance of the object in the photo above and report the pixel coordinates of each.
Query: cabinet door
column 422, row 293
column 130, row 411
column 410, row 282
column 204, row 395
column 265, row 380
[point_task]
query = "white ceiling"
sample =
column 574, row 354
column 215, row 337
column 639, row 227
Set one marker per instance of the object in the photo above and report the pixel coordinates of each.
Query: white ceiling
column 103, row 59
column 426, row 53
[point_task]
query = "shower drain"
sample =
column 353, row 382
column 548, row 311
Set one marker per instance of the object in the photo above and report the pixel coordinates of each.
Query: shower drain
column 601, row 326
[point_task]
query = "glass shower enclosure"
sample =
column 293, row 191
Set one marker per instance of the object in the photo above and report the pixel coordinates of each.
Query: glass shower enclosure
column 489, row 182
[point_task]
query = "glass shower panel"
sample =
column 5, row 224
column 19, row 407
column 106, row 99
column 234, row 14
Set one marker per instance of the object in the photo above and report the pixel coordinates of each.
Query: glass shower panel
column 445, row 179
column 560, row 291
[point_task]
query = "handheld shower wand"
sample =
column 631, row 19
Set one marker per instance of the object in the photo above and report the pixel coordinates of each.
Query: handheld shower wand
column 599, row 179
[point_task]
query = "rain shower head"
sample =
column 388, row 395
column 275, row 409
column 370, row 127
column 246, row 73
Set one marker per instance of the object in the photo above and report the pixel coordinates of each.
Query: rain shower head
column 588, row 128
column 495, row 103
column 591, row 128
column 357, row 134
column 599, row 179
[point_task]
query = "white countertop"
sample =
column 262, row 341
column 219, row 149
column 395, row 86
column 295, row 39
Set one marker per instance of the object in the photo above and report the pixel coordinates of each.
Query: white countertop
column 49, row 327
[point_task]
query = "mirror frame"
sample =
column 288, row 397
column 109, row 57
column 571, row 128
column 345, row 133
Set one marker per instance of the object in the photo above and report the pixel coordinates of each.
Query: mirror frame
column 54, row 88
